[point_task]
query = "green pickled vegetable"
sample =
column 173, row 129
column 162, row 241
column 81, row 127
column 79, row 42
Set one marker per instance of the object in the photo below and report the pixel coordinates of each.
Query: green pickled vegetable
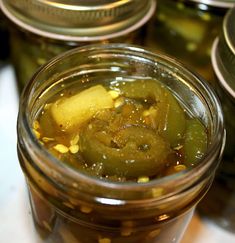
column 132, row 151
column 75, row 110
column 195, row 142
column 133, row 130
column 173, row 128
column 148, row 90
column 169, row 116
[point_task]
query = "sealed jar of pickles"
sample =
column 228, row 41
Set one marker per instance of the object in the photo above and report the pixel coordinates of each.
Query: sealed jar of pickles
column 219, row 205
column 43, row 29
column 117, row 144
column 186, row 29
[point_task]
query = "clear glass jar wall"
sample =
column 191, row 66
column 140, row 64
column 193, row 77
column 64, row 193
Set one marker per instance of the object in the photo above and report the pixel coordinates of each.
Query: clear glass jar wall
column 186, row 30
column 40, row 30
column 219, row 204
column 70, row 206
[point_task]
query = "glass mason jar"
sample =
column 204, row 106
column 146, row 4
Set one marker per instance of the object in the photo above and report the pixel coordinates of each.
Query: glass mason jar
column 70, row 206
column 43, row 29
column 219, row 204
column 186, row 30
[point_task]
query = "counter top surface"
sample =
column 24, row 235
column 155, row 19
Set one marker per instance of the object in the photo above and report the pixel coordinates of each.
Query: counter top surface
column 16, row 223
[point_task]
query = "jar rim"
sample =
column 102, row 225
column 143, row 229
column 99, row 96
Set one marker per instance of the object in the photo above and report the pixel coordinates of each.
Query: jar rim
column 183, row 178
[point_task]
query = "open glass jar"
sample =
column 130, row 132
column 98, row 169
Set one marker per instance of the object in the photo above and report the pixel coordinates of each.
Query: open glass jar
column 43, row 29
column 219, row 205
column 186, row 30
column 70, row 205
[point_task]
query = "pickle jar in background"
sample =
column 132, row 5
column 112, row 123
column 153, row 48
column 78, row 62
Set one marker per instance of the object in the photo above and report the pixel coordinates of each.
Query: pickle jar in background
column 219, row 205
column 186, row 30
column 43, row 29
column 70, row 205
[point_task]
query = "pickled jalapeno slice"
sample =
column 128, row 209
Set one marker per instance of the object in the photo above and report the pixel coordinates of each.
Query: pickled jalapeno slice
column 122, row 131
column 195, row 141
column 133, row 151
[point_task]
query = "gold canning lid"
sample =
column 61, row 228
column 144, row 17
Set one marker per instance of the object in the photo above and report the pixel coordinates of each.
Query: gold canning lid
column 79, row 20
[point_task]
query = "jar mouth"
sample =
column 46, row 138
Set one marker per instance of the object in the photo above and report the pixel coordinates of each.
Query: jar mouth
column 127, row 20
column 172, row 183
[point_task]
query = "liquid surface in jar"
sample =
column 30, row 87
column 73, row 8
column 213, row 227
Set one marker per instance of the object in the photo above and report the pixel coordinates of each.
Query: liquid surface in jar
column 134, row 130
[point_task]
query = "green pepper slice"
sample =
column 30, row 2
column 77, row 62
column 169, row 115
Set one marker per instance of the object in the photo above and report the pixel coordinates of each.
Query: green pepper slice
column 133, row 151
column 173, row 128
column 170, row 117
column 195, row 142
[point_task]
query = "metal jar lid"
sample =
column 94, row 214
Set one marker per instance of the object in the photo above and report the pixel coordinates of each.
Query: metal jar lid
column 216, row 3
column 79, row 20
column 223, row 55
